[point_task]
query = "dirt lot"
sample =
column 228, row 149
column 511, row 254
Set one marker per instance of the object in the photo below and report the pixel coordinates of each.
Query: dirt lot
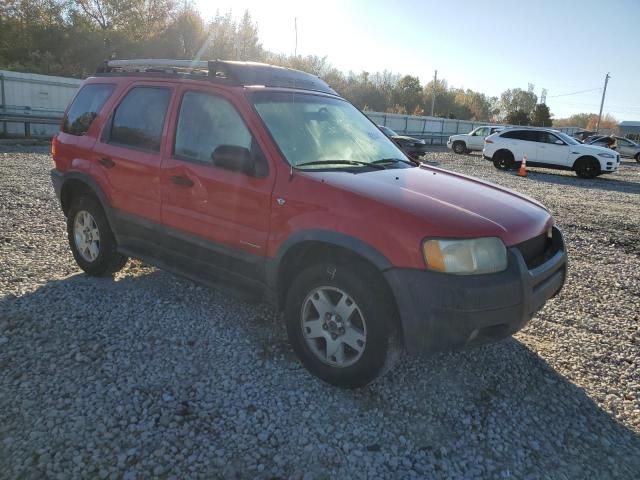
column 154, row 376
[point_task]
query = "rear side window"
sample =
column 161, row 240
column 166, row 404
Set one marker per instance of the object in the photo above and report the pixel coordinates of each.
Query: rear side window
column 85, row 107
column 139, row 119
column 519, row 135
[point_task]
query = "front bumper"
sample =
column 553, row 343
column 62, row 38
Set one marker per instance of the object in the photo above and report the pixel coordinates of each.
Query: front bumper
column 440, row 311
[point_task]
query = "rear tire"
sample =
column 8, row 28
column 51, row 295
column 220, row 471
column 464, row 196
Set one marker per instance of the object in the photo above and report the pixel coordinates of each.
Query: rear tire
column 637, row 157
column 459, row 147
column 587, row 167
column 346, row 352
column 503, row 160
column 91, row 239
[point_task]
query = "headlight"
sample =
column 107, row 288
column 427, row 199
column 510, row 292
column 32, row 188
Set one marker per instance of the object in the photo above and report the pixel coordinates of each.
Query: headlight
column 606, row 155
column 480, row 255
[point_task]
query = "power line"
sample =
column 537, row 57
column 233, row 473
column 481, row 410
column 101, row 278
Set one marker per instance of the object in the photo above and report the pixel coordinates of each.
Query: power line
column 576, row 93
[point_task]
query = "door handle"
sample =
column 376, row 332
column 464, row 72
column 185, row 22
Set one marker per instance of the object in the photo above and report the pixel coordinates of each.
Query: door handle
column 182, row 180
column 107, row 162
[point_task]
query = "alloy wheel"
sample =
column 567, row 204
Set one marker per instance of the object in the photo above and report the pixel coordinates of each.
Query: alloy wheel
column 86, row 235
column 333, row 326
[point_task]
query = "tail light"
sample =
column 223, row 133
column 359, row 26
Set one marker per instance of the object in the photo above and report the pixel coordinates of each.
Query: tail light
column 54, row 147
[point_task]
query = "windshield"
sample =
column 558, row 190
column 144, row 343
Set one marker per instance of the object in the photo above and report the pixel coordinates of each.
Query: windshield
column 312, row 128
column 569, row 140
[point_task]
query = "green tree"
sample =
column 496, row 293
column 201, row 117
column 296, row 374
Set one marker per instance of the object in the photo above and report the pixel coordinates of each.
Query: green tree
column 408, row 93
column 517, row 100
column 541, row 116
column 518, row 117
column 249, row 46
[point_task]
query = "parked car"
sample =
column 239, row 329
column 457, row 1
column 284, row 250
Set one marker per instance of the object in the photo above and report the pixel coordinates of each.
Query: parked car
column 594, row 138
column 472, row 141
column 625, row 147
column 413, row 147
column 548, row 148
column 583, row 135
column 263, row 178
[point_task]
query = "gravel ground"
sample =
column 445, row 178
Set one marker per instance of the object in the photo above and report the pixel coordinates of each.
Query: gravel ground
column 154, row 376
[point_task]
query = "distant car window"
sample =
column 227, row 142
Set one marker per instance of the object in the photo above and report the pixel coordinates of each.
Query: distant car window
column 139, row 119
column 546, row 137
column 205, row 122
column 495, row 129
column 85, row 107
column 624, row 143
column 387, row 131
column 518, row 135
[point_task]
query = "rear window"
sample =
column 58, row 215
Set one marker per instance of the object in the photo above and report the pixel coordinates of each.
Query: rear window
column 85, row 108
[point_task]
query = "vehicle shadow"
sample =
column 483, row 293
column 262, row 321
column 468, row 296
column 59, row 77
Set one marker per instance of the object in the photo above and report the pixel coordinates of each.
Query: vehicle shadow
column 604, row 182
column 93, row 354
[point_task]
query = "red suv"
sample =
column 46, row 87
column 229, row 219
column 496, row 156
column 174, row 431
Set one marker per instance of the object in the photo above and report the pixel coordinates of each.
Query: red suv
column 264, row 178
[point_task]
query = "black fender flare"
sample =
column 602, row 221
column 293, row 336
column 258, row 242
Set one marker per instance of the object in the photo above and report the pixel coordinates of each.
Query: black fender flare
column 328, row 237
column 65, row 177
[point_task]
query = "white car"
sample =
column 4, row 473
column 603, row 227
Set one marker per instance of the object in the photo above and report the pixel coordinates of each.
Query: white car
column 474, row 140
column 548, row 148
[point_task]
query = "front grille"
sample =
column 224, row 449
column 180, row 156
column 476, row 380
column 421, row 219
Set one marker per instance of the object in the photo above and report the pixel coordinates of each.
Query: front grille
column 536, row 250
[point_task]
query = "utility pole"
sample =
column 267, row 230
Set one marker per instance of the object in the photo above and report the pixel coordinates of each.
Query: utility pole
column 604, row 92
column 295, row 26
column 433, row 98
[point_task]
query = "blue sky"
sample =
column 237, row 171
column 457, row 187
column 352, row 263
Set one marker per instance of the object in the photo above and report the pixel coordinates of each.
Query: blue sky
column 488, row 46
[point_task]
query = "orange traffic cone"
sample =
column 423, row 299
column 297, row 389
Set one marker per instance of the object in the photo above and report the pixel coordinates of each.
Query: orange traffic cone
column 523, row 167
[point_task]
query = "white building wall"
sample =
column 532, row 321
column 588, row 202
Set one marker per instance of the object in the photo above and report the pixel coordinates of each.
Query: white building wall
column 37, row 95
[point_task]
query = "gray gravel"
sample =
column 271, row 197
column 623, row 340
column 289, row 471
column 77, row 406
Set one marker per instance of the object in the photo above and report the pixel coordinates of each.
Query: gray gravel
column 154, row 376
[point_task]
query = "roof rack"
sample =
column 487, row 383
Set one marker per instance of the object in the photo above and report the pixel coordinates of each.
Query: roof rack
column 230, row 72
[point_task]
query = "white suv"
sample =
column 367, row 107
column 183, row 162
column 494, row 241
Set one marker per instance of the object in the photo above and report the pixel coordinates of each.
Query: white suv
column 548, row 148
column 474, row 140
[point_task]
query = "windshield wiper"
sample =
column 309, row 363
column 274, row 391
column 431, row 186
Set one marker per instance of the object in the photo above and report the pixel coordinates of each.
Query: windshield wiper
column 394, row 160
column 341, row 162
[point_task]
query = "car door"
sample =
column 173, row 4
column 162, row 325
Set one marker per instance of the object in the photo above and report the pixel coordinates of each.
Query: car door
column 476, row 139
column 626, row 148
column 521, row 143
column 551, row 149
column 128, row 157
column 215, row 209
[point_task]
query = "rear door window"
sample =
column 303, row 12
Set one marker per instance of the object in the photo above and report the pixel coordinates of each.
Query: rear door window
column 138, row 120
column 85, row 107
column 518, row 135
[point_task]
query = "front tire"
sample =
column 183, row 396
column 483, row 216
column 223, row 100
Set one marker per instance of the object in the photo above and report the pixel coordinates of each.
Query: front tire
column 637, row 157
column 340, row 324
column 587, row 167
column 459, row 147
column 91, row 239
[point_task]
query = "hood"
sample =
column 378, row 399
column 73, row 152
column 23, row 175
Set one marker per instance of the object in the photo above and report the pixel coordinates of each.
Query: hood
column 448, row 204
column 591, row 149
column 404, row 138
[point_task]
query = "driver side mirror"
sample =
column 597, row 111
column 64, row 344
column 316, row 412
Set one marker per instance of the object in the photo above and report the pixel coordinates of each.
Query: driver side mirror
column 234, row 158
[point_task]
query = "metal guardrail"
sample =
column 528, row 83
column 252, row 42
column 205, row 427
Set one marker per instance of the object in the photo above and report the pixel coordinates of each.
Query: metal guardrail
column 28, row 120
